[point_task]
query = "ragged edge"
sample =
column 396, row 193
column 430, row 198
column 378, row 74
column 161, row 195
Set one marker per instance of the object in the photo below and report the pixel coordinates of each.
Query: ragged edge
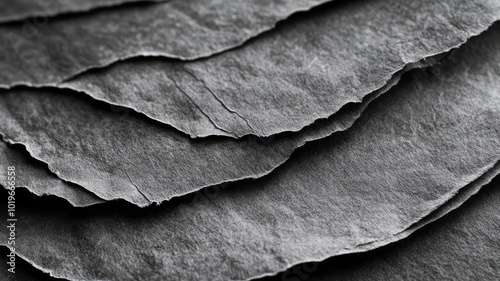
column 407, row 65
column 453, row 200
column 201, row 56
column 37, row 267
column 391, row 77
column 45, row 194
column 57, row 174
column 98, row 199
column 139, row 113
column 25, row 16
column 458, row 198
column 426, row 62
column 157, row 203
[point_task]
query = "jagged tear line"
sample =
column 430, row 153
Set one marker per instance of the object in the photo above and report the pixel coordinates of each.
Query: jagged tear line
column 49, row 171
column 408, row 66
column 50, row 195
column 439, row 211
column 289, row 18
column 30, row 152
column 243, row 41
column 426, row 62
column 35, row 266
column 394, row 76
column 102, row 102
column 467, row 191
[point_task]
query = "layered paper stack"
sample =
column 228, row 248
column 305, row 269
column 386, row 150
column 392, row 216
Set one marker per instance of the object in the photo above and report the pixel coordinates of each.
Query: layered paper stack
column 250, row 140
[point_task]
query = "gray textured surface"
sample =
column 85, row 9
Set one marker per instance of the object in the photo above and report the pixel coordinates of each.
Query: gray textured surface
column 461, row 246
column 412, row 150
column 14, row 10
column 128, row 158
column 456, row 201
column 88, row 158
column 361, row 266
column 23, row 272
column 176, row 29
column 378, row 264
column 33, row 176
column 305, row 70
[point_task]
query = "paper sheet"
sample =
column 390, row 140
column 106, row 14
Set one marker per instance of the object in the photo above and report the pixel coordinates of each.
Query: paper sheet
column 303, row 71
column 95, row 165
column 37, row 179
column 412, row 150
column 461, row 246
column 62, row 47
column 360, row 266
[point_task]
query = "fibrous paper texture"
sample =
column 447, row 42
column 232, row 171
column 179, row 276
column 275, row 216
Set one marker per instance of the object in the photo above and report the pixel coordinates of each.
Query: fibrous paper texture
column 33, row 54
column 37, row 179
column 461, row 246
column 359, row 267
column 411, row 151
column 24, row 271
column 354, row 267
column 303, row 71
column 95, row 165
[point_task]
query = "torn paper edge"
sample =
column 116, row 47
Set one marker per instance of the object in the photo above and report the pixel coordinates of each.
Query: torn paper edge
column 109, row 62
column 433, row 214
column 45, row 194
column 47, row 168
column 153, row 54
column 426, row 62
column 456, row 198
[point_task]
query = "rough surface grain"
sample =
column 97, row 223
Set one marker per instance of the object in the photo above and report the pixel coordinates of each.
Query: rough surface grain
column 362, row 266
column 354, row 267
column 95, row 155
column 305, row 70
column 24, row 270
column 461, row 246
column 33, row 176
column 31, row 54
column 411, row 152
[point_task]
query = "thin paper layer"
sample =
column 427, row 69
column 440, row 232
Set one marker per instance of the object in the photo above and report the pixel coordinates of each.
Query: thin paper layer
column 412, row 150
column 461, row 246
column 335, row 268
column 147, row 148
column 62, row 47
column 305, row 70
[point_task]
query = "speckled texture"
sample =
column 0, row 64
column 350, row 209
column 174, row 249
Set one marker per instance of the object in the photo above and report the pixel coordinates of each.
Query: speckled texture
column 24, row 271
column 411, row 151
